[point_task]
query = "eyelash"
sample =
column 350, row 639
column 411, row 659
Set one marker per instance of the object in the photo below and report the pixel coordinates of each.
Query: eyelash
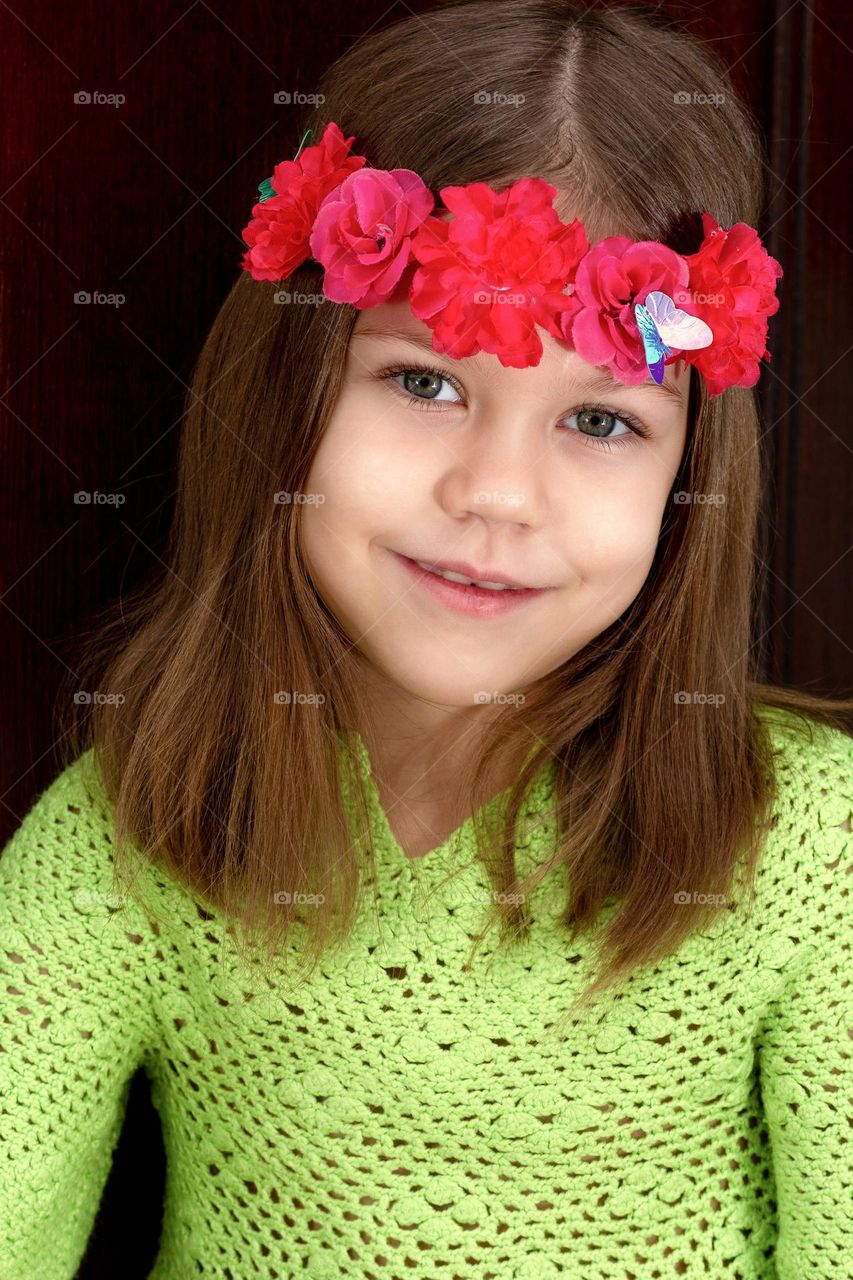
column 595, row 442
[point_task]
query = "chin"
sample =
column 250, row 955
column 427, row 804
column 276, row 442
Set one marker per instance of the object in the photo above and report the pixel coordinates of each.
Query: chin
column 437, row 679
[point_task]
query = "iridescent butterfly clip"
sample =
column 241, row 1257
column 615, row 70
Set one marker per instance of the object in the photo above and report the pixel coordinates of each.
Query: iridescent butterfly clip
column 664, row 329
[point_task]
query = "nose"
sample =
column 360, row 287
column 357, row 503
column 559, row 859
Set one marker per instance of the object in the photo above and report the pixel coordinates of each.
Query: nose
column 493, row 472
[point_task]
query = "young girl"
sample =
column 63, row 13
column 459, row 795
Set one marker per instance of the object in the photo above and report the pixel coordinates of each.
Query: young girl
column 494, row 931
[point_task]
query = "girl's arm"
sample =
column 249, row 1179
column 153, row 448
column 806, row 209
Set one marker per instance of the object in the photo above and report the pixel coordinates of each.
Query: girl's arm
column 76, row 1020
column 805, row 1048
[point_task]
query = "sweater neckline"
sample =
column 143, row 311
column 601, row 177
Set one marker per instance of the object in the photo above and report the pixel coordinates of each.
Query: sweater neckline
column 459, row 847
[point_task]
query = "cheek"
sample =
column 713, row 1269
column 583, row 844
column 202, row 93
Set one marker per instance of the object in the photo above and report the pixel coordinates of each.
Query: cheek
column 355, row 467
column 610, row 532
column 364, row 486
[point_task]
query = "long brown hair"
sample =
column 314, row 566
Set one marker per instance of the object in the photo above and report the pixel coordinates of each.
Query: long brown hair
column 240, row 794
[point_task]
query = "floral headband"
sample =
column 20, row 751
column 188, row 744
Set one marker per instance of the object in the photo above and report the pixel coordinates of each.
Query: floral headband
column 505, row 263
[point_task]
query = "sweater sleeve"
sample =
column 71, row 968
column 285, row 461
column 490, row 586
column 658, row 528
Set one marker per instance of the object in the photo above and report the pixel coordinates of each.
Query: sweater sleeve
column 805, row 1048
column 76, row 1021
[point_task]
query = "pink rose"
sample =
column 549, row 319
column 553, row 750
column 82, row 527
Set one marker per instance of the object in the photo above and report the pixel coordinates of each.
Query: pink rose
column 363, row 233
column 615, row 274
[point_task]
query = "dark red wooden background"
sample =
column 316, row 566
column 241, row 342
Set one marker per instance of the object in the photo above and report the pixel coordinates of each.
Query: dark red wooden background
column 147, row 198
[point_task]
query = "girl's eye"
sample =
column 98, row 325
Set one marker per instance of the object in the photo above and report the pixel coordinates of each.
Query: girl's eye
column 421, row 384
column 597, row 425
column 600, row 426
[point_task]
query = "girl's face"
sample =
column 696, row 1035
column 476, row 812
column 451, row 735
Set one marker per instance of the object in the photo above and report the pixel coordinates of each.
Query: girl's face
column 508, row 470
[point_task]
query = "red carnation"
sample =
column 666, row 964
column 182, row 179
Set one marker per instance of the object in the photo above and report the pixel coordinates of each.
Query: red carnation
column 733, row 289
column 278, row 234
column 495, row 270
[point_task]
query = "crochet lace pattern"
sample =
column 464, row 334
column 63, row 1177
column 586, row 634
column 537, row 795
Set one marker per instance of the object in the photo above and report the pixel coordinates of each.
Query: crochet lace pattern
column 399, row 1119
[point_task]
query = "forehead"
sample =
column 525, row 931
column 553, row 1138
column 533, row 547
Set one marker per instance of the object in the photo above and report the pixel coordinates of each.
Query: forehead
column 560, row 366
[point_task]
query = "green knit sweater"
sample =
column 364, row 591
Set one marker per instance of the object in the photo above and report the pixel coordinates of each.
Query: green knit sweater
column 399, row 1119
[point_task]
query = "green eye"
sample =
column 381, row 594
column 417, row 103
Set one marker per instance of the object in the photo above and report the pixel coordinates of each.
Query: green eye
column 421, row 384
column 597, row 425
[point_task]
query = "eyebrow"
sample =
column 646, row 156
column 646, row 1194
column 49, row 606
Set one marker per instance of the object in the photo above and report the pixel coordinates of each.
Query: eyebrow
column 596, row 384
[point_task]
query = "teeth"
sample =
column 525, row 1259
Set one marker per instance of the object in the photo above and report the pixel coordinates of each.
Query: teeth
column 458, row 577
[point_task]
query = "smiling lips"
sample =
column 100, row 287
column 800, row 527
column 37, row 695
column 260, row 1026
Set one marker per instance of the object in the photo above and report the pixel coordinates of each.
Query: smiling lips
column 468, row 596
column 460, row 571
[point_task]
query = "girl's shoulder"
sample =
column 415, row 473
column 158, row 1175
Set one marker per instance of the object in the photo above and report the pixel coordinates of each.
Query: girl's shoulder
column 813, row 769
column 58, row 872
column 66, row 830
column 803, row 875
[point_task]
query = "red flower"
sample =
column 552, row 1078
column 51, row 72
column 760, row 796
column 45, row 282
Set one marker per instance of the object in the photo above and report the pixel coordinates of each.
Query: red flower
column 363, row 234
column 733, row 289
column 279, row 231
column 617, row 273
column 495, row 270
